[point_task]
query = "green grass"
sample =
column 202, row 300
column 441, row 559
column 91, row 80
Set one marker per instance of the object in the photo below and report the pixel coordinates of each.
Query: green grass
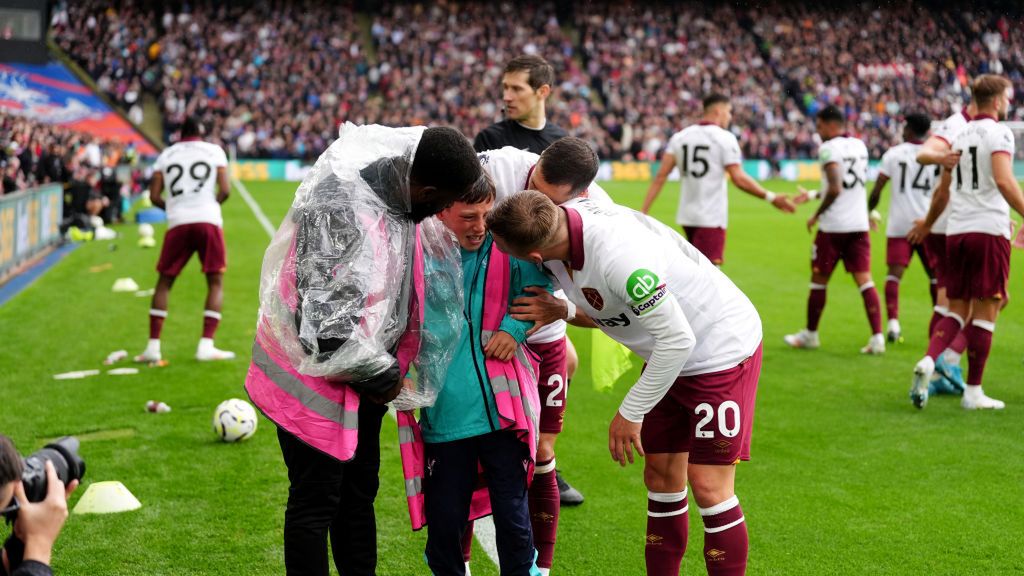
column 846, row 477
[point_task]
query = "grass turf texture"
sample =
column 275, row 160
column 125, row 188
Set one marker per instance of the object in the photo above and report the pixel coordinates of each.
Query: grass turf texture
column 847, row 477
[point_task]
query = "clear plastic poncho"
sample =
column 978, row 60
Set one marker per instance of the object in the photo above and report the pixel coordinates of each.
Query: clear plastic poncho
column 337, row 285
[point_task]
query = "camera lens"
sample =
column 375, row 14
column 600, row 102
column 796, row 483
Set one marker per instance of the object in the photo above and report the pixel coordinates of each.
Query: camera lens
column 66, row 461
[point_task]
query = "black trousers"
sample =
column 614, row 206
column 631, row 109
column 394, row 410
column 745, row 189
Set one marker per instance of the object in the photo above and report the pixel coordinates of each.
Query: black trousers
column 327, row 496
column 448, row 490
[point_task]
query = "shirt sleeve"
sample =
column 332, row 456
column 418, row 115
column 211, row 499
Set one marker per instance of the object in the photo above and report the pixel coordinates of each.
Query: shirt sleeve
column 730, row 150
column 657, row 311
column 943, row 132
column 1003, row 142
column 523, row 274
column 161, row 161
column 673, row 147
column 885, row 167
column 826, row 155
column 218, row 158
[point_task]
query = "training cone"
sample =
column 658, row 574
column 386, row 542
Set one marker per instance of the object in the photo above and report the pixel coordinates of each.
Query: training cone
column 106, row 498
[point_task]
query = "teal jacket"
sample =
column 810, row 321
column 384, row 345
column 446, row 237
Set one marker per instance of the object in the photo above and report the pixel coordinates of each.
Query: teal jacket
column 465, row 406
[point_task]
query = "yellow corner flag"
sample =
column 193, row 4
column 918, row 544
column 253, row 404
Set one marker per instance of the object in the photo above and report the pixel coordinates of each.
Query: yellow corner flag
column 609, row 360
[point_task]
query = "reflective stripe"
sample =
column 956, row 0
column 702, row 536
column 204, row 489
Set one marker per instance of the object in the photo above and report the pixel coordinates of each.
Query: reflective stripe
column 406, row 435
column 413, row 486
column 325, row 407
column 499, row 384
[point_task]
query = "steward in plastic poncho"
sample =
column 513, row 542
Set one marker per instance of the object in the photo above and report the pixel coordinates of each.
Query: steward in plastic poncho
column 341, row 298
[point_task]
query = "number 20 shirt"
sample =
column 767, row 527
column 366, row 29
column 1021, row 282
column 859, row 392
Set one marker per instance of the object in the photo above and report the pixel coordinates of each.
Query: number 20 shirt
column 652, row 291
column 190, row 182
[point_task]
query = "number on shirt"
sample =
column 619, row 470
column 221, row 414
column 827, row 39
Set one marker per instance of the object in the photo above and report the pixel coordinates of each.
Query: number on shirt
column 973, row 150
column 923, row 185
column 852, row 177
column 697, row 159
column 552, row 400
column 200, row 173
column 709, row 414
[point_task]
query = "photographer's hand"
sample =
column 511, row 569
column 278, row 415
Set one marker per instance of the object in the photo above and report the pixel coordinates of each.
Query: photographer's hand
column 39, row 523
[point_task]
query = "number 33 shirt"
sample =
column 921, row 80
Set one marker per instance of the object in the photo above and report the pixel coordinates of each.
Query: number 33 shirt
column 652, row 291
column 189, row 169
column 849, row 212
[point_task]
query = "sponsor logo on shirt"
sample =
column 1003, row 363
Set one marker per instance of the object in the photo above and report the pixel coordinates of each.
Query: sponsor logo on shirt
column 593, row 298
column 620, row 321
column 651, row 303
column 642, row 284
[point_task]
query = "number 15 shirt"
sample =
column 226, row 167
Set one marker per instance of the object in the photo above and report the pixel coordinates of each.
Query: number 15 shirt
column 190, row 182
column 702, row 153
column 652, row 291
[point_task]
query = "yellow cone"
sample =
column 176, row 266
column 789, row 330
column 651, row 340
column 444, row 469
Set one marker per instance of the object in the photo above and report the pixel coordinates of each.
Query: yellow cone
column 106, row 498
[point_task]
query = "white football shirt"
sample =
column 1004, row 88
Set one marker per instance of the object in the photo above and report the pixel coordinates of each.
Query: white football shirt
column 975, row 203
column 190, row 182
column 911, row 187
column 511, row 168
column 947, row 132
column 849, row 212
column 652, row 291
column 702, row 152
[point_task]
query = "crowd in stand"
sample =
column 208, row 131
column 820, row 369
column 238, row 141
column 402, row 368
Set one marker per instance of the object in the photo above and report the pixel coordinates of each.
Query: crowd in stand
column 277, row 78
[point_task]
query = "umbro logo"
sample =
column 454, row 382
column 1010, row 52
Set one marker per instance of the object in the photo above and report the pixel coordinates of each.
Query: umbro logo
column 715, row 555
column 543, row 517
column 723, row 444
column 654, row 540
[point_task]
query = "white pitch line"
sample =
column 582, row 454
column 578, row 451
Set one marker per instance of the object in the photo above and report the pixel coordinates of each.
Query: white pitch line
column 255, row 207
column 483, row 528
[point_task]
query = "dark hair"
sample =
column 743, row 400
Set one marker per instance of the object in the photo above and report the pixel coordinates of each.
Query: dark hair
column 446, row 160
column 569, row 160
column 986, row 87
column 831, row 113
column 481, row 191
column 919, row 124
column 715, row 98
column 191, row 127
column 10, row 461
column 538, row 69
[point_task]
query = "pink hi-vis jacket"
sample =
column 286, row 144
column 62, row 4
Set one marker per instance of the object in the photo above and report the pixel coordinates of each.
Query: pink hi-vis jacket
column 514, row 385
column 320, row 412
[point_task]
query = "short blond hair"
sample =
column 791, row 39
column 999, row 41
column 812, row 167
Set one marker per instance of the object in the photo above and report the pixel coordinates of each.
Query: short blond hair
column 527, row 220
column 987, row 87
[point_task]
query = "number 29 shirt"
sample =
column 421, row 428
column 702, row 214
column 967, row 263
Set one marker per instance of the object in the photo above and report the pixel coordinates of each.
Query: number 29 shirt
column 189, row 169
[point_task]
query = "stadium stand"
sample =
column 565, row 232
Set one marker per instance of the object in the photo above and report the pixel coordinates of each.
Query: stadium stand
column 629, row 75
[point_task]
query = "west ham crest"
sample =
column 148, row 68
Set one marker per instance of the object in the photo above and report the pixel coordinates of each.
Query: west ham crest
column 593, row 298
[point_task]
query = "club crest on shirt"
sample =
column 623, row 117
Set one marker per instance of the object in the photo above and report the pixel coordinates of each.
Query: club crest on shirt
column 593, row 298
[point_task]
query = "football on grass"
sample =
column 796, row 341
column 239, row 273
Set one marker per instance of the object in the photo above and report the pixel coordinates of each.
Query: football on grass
column 234, row 420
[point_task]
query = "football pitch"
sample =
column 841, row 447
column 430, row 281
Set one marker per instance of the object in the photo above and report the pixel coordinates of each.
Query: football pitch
column 846, row 477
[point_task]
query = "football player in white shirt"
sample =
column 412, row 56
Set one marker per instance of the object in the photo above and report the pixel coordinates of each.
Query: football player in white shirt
column 912, row 185
column 931, row 231
column 978, row 240
column 842, row 221
column 565, row 170
column 194, row 175
column 705, row 153
column 690, row 414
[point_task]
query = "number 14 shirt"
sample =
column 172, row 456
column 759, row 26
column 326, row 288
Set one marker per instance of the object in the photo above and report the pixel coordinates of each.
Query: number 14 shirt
column 189, row 169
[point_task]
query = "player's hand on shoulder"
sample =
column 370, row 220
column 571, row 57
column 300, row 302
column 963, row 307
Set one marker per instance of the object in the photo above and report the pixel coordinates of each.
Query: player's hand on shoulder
column 951, row 159
column 501, row 346
column 541, row 308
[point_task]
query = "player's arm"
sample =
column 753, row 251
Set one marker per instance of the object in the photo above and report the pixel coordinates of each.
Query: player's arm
column 582, row 320
column 745, row 182
column 668, row 162
column 936, row 150
column 156, row 190
column 940, row 199
column 223, row 185
column 876, row 191
column 833, row 176
column 1002, row 173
